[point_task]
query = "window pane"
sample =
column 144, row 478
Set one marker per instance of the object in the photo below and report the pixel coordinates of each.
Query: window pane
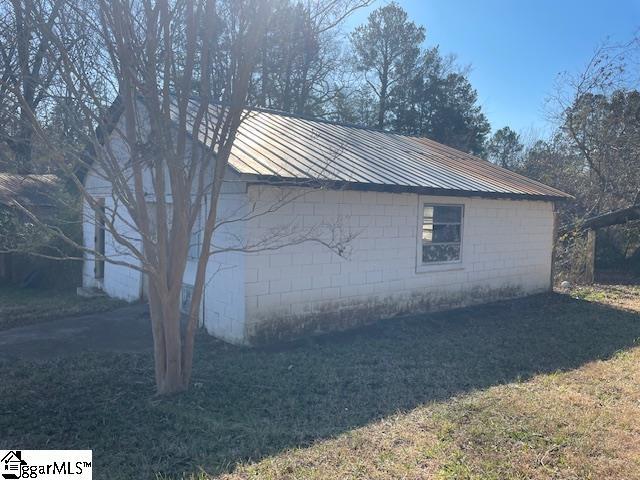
column 427, row 233
column 447, row 214
column 446, row 233
column 440, row 253
column 427, row 215
column 441, row 233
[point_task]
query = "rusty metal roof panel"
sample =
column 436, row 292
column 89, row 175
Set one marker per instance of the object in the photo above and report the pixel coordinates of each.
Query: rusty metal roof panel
column 274, row 144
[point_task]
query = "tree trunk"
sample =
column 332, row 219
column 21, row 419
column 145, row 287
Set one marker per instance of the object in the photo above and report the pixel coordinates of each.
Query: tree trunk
column 22, row 147
column 384, row 85
column 167, row 341
column 264, row 81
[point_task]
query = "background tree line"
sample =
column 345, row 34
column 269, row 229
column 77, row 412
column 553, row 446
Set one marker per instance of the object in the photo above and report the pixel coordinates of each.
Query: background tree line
column 381, row 75
column 378, row 75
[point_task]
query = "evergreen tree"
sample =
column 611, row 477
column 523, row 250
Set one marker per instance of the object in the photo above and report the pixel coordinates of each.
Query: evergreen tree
column 505, row 148
column 386, row 50
column 439, row 102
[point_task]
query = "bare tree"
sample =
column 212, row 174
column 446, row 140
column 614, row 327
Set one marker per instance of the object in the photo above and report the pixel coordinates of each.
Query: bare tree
column 156, row 56
column 26, row 65
column 595, row 155
column 301, row 59
column 597, row 112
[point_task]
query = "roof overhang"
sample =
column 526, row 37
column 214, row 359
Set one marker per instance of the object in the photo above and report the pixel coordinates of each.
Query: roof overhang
column 277, row 181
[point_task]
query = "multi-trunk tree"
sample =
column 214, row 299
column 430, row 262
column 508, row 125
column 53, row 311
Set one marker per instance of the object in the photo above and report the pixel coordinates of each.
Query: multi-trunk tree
column 153, row 57
column 156, row 55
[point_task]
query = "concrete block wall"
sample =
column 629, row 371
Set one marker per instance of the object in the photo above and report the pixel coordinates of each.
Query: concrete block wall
column 506, row 251
column 224, row 305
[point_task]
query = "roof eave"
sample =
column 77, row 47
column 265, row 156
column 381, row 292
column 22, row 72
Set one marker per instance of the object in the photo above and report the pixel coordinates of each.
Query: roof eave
column 389, row 188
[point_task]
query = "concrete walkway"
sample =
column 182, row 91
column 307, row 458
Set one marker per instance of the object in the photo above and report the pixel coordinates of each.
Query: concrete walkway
column 126, row 329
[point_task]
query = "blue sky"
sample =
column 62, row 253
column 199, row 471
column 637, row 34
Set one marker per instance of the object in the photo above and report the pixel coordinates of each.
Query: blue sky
column 517, row 48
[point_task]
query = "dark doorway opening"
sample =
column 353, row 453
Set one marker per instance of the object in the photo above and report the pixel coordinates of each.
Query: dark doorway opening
column 99, row 238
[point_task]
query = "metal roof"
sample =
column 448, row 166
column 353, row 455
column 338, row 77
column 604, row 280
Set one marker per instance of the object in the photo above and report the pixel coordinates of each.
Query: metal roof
column 28, row 190
column 273, row 145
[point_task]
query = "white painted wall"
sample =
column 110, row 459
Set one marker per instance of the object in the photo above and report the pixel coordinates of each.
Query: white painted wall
column 88, row 240
column 506, row 251
column 119, row 281
column 223, row 303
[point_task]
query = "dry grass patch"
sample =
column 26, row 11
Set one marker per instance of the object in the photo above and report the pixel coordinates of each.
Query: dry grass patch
column 574, row 425
column 624, row 296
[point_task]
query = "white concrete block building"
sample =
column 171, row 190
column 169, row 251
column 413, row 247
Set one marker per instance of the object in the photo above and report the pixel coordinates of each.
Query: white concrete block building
column 430, row 228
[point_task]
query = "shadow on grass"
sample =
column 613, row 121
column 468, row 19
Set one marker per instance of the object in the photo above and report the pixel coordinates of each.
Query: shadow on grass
column 248, row 404
column 25, row 306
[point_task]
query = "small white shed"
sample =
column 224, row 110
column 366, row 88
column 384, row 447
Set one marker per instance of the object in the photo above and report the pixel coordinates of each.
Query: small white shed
column 433, row 228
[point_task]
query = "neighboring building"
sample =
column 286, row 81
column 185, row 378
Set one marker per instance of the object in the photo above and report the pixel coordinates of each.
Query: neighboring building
column 435, row 228
column 34, row 192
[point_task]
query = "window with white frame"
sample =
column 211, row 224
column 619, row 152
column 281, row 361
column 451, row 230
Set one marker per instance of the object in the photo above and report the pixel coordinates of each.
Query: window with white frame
column 441, row 233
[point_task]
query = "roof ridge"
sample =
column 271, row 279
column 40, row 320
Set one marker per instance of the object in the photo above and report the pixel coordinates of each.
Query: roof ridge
column 319, row 120
column 310, row 118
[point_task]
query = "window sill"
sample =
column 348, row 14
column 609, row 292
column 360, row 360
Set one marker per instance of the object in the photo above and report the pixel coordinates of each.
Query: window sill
column 440, row 267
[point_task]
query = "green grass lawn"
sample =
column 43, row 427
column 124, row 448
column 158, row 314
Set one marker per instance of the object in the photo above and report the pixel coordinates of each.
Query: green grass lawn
column 546, row 387
column 24, row 306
